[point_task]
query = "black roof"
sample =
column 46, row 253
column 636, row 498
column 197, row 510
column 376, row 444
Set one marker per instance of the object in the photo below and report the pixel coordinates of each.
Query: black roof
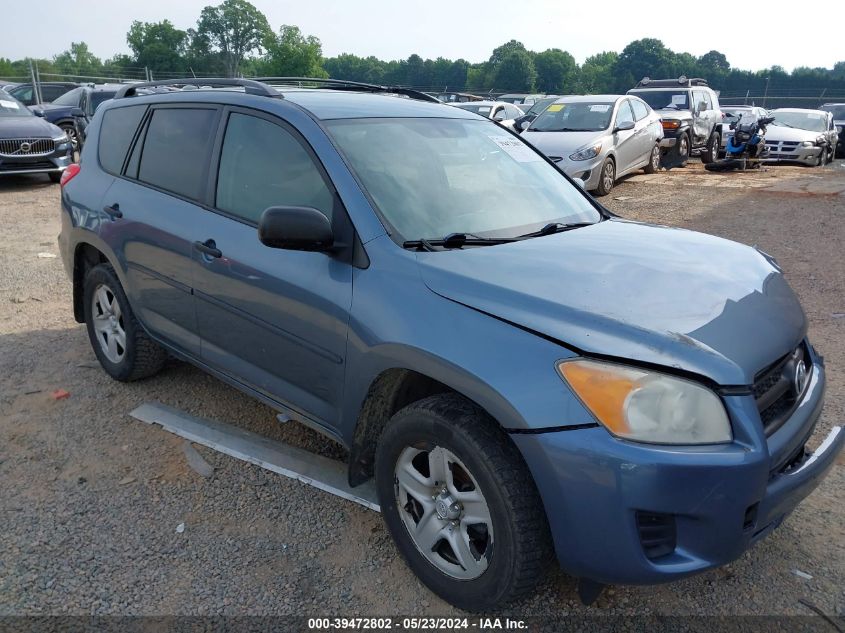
column 680, row 82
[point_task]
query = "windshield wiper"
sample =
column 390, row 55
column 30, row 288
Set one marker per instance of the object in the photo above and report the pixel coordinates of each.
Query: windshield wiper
column 554, row 227
column 456, row 240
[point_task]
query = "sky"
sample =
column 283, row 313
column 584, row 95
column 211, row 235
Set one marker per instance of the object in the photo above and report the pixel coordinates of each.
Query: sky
column 394, row 29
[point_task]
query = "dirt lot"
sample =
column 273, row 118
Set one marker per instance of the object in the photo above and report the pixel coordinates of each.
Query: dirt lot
column 92, row 498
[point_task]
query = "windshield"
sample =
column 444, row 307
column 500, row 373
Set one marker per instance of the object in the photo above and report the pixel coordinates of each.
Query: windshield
column 100, row 96
column 838, row 111
column 811, row 121
column 736, row 114
column 483, row 110
column 540, row 105
column 9, row 106
column 583, row 116
column 69, row 98
column 664, row 99
column 433, row 177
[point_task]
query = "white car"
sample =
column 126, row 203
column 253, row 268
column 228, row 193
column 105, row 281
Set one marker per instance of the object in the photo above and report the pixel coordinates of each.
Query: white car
column 801, row 136
column 496, row 110
column 598, row 138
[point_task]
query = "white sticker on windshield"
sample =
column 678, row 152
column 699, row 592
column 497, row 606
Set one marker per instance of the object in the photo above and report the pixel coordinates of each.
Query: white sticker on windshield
column 679, row 99
column 12, row 105
column 483, row 110
column 516, row 149
column 600, row 107
column 813, row 115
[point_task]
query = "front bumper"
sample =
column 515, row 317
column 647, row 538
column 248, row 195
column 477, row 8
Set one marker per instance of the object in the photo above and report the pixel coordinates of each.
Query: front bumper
column 588, row 171
column 793, row 154
column 55, row 162
column 721, row 499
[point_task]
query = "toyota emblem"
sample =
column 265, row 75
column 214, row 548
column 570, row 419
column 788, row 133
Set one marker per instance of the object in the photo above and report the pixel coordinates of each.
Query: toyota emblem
column 800, row 378
column 25, row 147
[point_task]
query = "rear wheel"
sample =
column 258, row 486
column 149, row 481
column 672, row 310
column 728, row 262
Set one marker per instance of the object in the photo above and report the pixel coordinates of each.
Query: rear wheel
column 460, row 503
column 711, row 151
column 123, row 348
column 607, row 178
column 653, row 161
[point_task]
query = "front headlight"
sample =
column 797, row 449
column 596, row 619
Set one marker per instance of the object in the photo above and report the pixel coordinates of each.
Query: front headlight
column 647, row 406
column 821, row 140
column 61, row 139
column 587, row 153
column 807, row 144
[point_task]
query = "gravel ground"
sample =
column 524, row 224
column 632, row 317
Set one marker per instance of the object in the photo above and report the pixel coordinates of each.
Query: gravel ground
column 92, row 498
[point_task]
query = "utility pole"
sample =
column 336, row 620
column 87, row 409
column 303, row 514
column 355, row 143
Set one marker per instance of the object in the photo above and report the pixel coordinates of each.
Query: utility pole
column 766, row 92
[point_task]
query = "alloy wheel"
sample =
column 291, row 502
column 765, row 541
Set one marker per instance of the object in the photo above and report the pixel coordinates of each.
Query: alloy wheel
column 655, row 158
column 444, row 511
column 608, row 176
column 108, row 323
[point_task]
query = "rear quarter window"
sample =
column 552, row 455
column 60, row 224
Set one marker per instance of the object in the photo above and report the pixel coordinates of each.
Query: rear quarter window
column 116, row 134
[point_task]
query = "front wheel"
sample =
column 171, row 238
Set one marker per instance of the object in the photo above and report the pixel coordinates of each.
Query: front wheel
column 72, row 134
column 460, row 503
column 653, row 161
column 683, row 150
column 607, row 178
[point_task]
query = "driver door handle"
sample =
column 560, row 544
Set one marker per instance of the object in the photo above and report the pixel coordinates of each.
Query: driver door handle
column 208, row 247
column 113, row 211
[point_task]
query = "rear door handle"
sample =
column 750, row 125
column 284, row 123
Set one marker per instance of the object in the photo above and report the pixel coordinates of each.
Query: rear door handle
column 209, row 248
column 113, row 211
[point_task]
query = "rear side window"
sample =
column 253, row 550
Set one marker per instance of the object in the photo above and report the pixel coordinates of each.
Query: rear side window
column 116, row 133
column 263, row 165
column 640, row 109
column 176, row 149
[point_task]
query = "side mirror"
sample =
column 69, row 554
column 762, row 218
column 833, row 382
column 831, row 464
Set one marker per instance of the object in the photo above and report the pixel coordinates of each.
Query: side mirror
column 624, row 126
column 702, row 106
column 38, row 112
column 77, row 112
column 295, row 229
column 523, row 125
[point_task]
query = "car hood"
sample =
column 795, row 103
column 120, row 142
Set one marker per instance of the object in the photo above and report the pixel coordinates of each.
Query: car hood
column 51, row 107
column 778, row 133
column 636, row 292
column 561, row 143
column 674, row 115
column 27, row 127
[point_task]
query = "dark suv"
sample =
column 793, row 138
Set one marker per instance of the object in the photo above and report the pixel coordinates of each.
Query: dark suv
column 519, row 371
column 838, row 112
column 73, row 110
column 691, row 117
column 50, row 90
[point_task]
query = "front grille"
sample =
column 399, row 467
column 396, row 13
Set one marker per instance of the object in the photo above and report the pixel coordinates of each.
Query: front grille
column 26, row 146
column 8, row 165
column 658, row 535
column 777, row 390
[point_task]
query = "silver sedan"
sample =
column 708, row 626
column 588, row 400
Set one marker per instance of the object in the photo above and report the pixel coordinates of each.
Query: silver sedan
column 598, row 139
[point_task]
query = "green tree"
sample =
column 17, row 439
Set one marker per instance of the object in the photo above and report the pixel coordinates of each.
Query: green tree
column 354, row 68
column 292, row 54
column 643, row 58
column 714, row 67
column 597, row 73
column 236, row 29
column 77, row 60
column 556, row 71
column 158, row 45
column 516, row 72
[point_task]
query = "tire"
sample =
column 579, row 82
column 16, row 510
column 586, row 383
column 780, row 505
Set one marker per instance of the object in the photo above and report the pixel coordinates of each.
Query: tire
column 123, row 348
column 711, row 150
column 607, row 178
column 55, row 176
column 72, row 134
column 683, row 149
column 508, row 546
column 822, row 161
column 653, row 161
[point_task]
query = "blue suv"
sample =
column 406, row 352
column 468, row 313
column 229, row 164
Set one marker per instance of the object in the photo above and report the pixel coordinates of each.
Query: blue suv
column 520, row 371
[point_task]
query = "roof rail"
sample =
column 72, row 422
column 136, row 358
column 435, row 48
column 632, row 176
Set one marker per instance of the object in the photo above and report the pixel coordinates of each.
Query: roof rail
column 250, row 86
column 671, row 83
column 343, row 84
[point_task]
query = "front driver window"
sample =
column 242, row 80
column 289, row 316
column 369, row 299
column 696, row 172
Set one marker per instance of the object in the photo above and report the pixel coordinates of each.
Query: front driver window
column 262, row 165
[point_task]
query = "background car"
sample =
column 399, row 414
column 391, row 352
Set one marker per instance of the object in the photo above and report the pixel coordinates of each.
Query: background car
column 838, row 112
column 690, row 115
column 599, row 138
column 539, row 105
column 732, row 114
column 50, row 91
column 801, row 136
column 496, row 110
column 29, row 144
column 73, row 110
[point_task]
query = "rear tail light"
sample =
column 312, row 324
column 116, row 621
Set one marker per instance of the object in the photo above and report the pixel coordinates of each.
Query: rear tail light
column 68, row 174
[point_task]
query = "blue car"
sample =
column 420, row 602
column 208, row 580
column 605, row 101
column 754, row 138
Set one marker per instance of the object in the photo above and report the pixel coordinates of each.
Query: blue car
column 73, row 110
column 525, row 375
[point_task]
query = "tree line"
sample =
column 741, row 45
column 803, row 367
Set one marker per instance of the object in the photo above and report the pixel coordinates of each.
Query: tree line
column 234, row 38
